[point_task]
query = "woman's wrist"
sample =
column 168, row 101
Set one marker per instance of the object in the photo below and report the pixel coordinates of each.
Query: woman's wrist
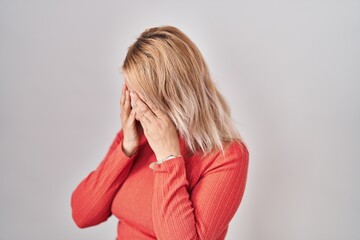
column 128, row 149
column 161, row 160
column 167, row 157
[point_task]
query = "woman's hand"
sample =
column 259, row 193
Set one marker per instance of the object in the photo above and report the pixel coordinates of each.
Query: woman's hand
column 131, row 128
column 159, row 130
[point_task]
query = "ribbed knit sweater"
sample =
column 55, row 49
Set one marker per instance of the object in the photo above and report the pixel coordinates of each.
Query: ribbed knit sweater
column 187, row 197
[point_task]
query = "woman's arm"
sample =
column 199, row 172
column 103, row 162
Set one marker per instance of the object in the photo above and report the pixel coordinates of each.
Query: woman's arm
column 206, row 212
column 91, row 200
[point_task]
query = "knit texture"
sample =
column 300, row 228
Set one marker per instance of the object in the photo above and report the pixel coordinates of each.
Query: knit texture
column 186, row 197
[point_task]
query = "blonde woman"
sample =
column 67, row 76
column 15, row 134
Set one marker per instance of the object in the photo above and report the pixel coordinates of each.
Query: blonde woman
column 177, row 168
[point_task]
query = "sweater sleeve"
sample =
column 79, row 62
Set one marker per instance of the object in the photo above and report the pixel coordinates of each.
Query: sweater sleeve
column 92, row 198
column 205, row 212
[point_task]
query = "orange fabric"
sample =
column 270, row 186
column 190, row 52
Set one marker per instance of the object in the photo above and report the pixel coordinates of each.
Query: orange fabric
column 183, row 198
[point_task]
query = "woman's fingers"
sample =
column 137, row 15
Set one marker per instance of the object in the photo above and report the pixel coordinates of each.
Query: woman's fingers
column 127, row 116
column 145, row 113
column 129, row 126
column 131, row 118
column 127, row 101
column 122, row 97
column 155, row 109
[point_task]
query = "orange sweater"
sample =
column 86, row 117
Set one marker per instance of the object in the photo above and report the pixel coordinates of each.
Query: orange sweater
column 182, row 198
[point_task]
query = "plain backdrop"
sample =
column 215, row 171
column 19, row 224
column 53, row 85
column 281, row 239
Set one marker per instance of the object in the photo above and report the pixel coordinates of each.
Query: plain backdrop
column 290, row 71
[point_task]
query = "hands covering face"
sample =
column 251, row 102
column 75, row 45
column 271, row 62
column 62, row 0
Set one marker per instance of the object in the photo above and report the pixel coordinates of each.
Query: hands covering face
column 159, row 130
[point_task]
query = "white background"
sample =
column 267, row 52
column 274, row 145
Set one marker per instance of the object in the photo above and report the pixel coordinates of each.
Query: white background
column 290, row 71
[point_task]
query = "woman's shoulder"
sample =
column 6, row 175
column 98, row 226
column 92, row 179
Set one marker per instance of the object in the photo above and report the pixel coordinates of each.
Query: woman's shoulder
column 234, row 159
column 237, row 146
column 234, row 152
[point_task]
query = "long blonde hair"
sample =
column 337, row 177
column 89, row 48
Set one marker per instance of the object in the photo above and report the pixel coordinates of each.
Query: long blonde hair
column 167, row 67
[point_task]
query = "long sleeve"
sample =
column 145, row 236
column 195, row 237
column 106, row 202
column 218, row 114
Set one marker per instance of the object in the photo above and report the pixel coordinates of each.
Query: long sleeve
column 92, row 198
column 205, row 212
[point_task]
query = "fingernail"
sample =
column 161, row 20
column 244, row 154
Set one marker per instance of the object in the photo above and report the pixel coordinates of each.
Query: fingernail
column 132, row 94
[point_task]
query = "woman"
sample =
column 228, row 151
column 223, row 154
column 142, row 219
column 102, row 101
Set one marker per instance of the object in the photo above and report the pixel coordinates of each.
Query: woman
column 178, row 167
